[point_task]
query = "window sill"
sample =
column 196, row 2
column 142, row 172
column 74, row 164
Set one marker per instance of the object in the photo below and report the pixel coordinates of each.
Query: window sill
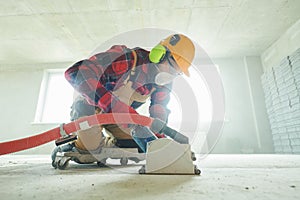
column 46, row 123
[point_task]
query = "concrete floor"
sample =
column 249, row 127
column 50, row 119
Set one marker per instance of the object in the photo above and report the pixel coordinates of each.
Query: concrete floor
column 223, row 177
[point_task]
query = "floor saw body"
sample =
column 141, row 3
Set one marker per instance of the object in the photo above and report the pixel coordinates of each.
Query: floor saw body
column 163, row 156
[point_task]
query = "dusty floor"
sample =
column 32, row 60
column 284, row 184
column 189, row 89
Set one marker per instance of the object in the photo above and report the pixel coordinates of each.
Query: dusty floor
column 223, row 177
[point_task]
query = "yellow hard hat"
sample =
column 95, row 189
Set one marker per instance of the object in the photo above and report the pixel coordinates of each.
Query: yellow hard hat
column 182, row 49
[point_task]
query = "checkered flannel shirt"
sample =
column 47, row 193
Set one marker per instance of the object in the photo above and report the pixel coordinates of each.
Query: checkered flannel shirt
column 95, row 78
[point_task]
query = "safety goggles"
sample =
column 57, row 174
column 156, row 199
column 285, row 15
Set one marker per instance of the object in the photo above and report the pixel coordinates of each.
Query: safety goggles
column 174, row 69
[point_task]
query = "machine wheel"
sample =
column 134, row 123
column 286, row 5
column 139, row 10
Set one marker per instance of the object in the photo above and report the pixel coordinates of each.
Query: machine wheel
column 54, row 164
column 61, row 165
column 102, row 163
column 142, row 170
column 193, row 157
column 197, row 171
column 124, row 161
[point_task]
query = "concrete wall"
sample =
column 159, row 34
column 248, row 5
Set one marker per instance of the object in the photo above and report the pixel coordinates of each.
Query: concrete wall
column 279, row 71
column 254, row 70
column 246, row 128
column 284, row 46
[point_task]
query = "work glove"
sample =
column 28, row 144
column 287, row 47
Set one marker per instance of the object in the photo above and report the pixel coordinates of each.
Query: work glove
column 142, row 135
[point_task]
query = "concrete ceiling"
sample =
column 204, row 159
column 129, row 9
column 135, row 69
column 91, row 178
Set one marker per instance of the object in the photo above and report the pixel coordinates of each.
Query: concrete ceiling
column 51, row 31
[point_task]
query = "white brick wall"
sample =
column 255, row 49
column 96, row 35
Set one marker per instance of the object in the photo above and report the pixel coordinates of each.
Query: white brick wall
column 281, row 86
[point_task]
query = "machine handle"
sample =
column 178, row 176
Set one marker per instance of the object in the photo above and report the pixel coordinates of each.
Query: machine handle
column 160, row 126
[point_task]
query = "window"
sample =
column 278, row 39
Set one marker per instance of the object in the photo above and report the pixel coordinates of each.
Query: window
column 55, row 99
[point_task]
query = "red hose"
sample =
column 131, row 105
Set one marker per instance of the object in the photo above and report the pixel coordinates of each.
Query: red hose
column 53, row 134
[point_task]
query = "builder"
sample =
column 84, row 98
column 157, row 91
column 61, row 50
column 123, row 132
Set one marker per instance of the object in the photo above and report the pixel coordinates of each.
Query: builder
column 120, row 80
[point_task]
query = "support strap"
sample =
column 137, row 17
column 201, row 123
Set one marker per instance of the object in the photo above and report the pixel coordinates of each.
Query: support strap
column 62, row 130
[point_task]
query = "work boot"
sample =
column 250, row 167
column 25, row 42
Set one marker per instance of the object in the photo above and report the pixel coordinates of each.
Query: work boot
column 110, row 141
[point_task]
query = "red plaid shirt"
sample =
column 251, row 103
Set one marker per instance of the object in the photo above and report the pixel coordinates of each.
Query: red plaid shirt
column 95, row 78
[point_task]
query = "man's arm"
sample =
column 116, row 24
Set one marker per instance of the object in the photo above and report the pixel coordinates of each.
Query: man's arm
column 159, row 100
column 84, row 76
